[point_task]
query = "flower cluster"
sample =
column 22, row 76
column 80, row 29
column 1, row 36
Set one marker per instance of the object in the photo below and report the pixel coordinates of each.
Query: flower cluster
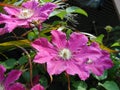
column 71, row 55
column 30, row 14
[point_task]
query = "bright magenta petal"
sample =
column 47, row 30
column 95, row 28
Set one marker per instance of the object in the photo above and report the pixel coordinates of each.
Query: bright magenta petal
column 2, row 70
column 43, row 44
column 12, row 11
column 38, row 87
column 16, row 86
column 59, row 39
column 56, row 67
column 12, row 77
column 77, row 40
column 42, row 57
column 32, row 4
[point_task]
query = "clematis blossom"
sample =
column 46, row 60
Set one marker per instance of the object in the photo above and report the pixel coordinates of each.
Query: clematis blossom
column 70, row 55
column 30, row 14
column 8, row 82
column 37, row 87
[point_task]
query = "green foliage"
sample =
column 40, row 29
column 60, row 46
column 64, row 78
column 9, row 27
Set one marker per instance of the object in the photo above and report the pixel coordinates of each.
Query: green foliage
column 9, row 64
column 109, row 85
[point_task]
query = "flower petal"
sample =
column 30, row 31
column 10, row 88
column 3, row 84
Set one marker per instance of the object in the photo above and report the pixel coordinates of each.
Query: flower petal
column 77, row 40
column 16, row 86
column 12, row 77
column 38, row 87
column 42, row 57
column 32, row 4
column 46, row 9
column 56, row 67
column 59, row 39
column 2, row 70
column 12, row 10
column 43, row 44
column 73, row 69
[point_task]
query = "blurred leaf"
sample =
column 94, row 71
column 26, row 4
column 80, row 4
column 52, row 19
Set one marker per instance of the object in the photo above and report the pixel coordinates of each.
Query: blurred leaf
column 109, row 85
column 22, row 60
column 99, row 39
column 74, row 9
column 79, row 85
column 43, row 81
column 92, row 89
column 115, row 44
column 11, row 45
column 31, row 36
column 10, row 63
column 44, row 1
column 26, row 76
column 104, row 76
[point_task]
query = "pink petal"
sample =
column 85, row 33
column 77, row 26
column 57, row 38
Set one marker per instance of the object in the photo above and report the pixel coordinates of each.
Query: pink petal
column 43, row 44
column 16, row 86
column 12, row 77
column 77, row 40
column 42, row 57
column 2, row 70
column 38, row 87
column 56, row 67
column 45, row 10
column 73, row 68
column 59, row 39
column 32, row 4
column 12, row 10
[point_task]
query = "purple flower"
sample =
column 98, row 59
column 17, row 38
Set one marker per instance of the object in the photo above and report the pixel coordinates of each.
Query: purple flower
column 38, row 87
column 28, row 15
column 8, row 82
column 70, row 55
column 97, row 66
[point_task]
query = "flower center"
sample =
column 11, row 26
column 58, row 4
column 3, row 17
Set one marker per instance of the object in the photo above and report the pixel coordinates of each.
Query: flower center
column 25, row 13
column 65, row 54
column 89, row 61
column 1, row 87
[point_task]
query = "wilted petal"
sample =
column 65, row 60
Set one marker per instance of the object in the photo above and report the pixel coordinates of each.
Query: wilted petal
column 12, row 77
column 59, row 39
column 16, row 86
column 77, row 40
column 38, row 87
column 2, row 70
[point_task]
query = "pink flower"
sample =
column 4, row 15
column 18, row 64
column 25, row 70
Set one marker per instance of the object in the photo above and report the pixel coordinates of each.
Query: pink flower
column 8, row 82
column 70, row 55
column 97, row 66
column 38, row 87
column 28, row 15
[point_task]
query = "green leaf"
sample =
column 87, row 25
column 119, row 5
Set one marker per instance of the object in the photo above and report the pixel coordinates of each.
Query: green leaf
column 104, row 76
column 44, row 1
column 116, row 44
column 109, row 85
column 26, row 76
column 22, row 60
column 99, row 39
column 79, row 85
column 9, row 64
column 74, row 9
column 11, row 45
column 92, row 89
column 43, row 81
column 31, row 36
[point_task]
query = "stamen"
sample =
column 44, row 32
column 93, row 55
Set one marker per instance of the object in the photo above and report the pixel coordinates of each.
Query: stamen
column 25, row 13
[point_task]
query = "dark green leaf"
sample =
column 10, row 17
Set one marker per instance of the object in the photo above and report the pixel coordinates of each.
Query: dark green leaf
column 22, row 60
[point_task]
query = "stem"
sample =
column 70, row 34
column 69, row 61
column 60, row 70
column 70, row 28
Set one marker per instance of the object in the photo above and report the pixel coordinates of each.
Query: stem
column 30, row 63
column 68, row 79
